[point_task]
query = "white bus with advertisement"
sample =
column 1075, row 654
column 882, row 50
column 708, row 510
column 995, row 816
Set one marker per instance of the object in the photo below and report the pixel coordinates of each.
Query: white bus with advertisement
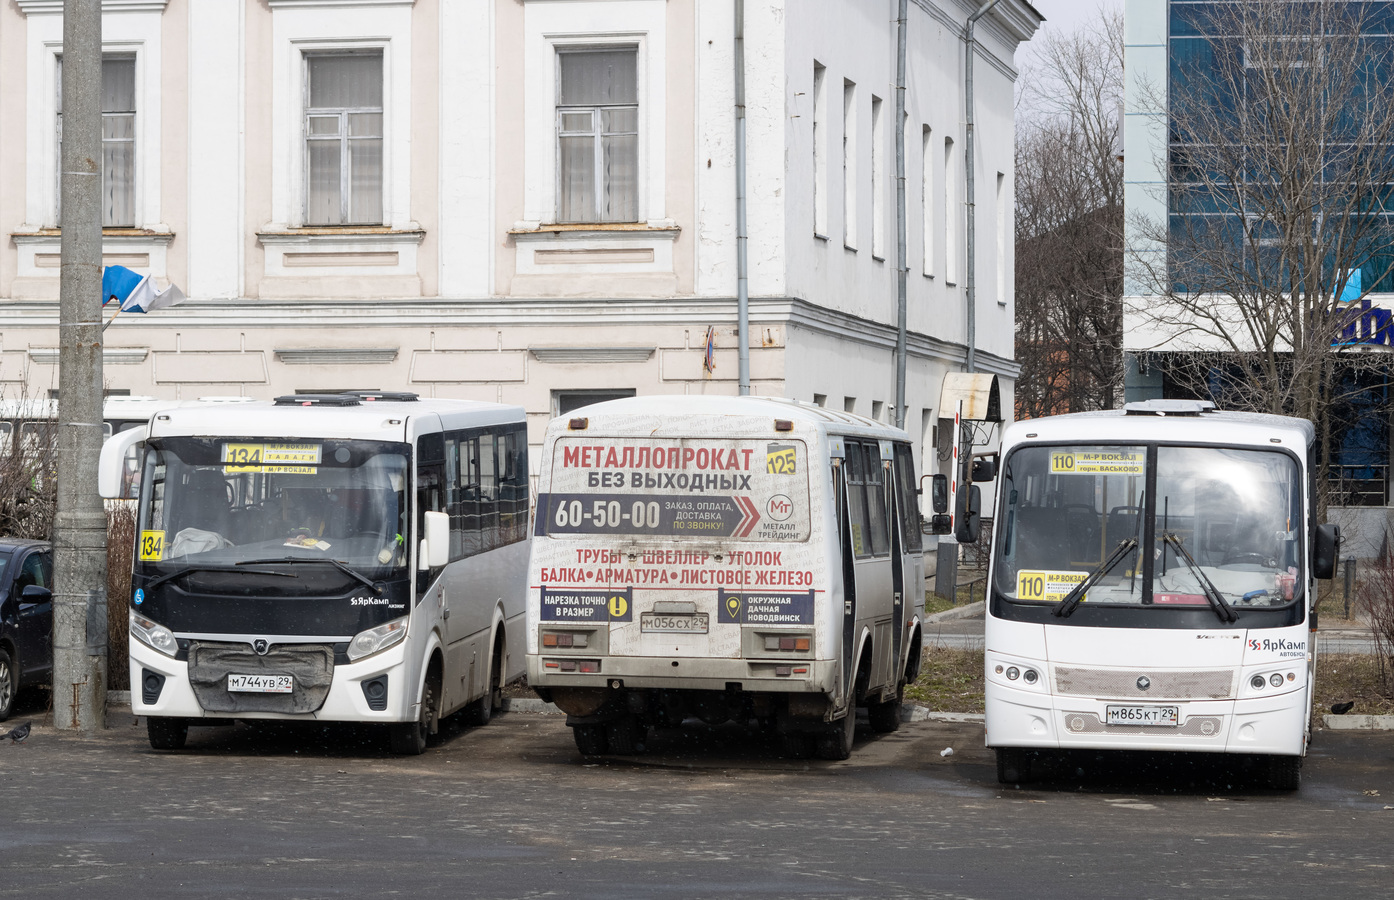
column 1152, row 587
column 747, row 559
column 355, row 557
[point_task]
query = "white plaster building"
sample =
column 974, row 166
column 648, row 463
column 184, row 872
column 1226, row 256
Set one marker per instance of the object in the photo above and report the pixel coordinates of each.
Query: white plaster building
column 530, row 201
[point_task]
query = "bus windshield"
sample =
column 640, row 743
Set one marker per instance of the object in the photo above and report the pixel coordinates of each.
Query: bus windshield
column 212, row 504
column 1217, row 518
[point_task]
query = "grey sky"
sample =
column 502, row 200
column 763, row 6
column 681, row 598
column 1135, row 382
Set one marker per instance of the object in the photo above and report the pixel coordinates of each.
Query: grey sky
column 1064, row 16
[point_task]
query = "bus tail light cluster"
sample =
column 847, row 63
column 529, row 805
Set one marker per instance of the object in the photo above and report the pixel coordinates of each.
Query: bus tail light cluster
column 563, row 639
column 785, row 643
column 583, row 666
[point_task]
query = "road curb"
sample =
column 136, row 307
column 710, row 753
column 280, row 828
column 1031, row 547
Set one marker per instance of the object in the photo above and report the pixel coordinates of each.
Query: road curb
column 958, row 612
column 1358, row 723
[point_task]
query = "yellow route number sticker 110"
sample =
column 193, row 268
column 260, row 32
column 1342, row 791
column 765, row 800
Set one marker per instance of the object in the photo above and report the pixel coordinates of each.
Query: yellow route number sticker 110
column 1097, row 462
column 1037, row 584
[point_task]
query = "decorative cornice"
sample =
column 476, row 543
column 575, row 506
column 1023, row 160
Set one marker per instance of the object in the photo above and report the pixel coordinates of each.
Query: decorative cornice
column 110, row 237
column 333, row 236
column 111, row 356
column 329, row 4
column 592, row 354
column 525, row 231
column 335, row 356
column 55, row 7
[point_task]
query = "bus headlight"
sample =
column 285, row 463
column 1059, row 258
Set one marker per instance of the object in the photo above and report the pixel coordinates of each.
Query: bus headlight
column 366, row 643
column 152, row 635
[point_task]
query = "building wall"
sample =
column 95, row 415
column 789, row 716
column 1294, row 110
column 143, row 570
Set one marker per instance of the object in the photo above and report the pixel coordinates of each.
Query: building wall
column 471, row 287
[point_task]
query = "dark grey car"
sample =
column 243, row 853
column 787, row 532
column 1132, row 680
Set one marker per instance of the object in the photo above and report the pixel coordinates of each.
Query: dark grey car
column 26, row 618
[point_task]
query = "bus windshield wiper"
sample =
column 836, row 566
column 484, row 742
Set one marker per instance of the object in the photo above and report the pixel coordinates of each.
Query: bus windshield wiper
column 1217, row 600
column 1076, row 596
column 336, row 563
column 233, row 568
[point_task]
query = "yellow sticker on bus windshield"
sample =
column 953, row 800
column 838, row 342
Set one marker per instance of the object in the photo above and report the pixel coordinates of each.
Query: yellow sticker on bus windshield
column 261, row 454
column 272, row 470
column 1097, row 462
column 1037, row 584
column 781, row 459
column 152, row 546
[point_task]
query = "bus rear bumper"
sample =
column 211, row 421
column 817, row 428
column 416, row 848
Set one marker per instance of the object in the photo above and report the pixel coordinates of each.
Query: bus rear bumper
column 1271, row 725
column 345, row 702
column 688, row 673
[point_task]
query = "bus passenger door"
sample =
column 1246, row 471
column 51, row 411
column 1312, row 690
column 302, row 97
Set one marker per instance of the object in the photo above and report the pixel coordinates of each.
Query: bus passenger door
column 908, row 549
column 849, row 569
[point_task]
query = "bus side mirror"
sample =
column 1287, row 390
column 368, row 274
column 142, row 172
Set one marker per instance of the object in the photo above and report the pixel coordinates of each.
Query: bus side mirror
column 939, row 493
column 968, row 521
column 435, row 547
column 984, row 470
column 111, row 467
column 1326, row 545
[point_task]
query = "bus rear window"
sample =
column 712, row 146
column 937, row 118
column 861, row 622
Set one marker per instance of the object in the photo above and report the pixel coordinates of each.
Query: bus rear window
column 742, row 490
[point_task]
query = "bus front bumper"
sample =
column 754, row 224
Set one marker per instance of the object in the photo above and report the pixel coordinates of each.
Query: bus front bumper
column 1274, row 724
column 785, row 676
column 345, row 702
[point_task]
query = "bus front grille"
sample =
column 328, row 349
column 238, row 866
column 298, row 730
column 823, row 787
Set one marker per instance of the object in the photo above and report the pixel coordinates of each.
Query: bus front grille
column 1182, row 684
column 310, row 665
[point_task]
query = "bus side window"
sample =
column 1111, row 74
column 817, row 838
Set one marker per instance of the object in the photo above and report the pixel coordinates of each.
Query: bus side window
column 452, row 495
column 7, row 436
column 430, row 493
column 488, row 490
column 856, row 499
column 876, row 501
column 513, row 487
column 907, row 503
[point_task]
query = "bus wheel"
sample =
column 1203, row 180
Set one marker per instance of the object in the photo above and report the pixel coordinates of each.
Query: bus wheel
column 482, row 710
column 166, row 733
column 836, row 741
column 590, row 739
column 409, row 738
column 626, row 736
column 1284, row 772
column 1013, row 767
column 885, row 716
column 799, row 744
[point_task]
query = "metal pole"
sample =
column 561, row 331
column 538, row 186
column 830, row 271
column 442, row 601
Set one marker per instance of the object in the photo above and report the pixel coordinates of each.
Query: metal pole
column 742, row 233
column 901, row 262
column 971, row 271
column 79, row 532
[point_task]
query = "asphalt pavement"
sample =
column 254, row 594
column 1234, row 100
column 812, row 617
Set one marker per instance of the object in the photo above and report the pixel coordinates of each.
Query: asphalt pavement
column 512, row 810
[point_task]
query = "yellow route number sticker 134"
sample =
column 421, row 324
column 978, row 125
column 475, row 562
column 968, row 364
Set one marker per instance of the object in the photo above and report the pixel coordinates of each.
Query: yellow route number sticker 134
column 152, row 545
column 1037, row 584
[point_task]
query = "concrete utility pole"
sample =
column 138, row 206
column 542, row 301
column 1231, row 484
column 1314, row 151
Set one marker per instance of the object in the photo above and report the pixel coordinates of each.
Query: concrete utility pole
column 79, row 532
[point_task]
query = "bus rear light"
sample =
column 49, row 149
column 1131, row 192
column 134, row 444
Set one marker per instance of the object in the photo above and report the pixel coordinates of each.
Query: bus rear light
column 563, row 639
column 551, row 665
column 783, row 425
column 783, row 671
column 578, row 424
column 787, row 643
column 589, row 666
column 801, row 670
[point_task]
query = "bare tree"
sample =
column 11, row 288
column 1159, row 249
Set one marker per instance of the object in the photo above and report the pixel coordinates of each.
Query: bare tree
column 1069, row 218
column 1280, row 118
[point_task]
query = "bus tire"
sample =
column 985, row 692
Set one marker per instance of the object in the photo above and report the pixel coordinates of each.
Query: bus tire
column 884, row 717
column 1013, row 765
column 799, row 744
column 482, row 710
column 166, row 733
column 626, row 735
column 591, row 740
column 409, row 738
column 836, row 741
column 1284, row 773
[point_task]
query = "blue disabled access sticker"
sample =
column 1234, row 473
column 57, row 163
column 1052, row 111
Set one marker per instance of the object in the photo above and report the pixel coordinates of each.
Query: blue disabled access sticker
column 140, row 596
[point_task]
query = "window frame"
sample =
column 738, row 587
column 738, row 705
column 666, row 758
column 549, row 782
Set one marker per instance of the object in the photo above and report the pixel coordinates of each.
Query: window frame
column 133, row 197
column 597, row 132
column 344, row 139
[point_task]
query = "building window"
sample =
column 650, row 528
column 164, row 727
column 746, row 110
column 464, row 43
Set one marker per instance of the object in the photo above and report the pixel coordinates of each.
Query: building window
column 564, row 402
column 927, row 200
column 598, row 135
column 820, row 151
column 118, row 141
column 950, row 213
column 878, row 192
column 343, row 138
column 849, row 164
